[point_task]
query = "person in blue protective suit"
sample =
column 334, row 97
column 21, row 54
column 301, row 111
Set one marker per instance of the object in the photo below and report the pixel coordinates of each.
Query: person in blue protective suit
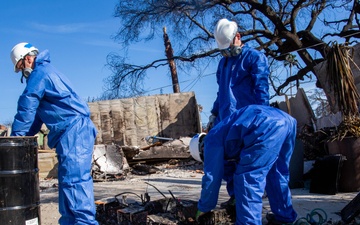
column 49, row 98
column 260, row 139
column 242, row 76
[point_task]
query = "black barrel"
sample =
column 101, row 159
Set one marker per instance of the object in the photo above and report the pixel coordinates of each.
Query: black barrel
column 19, row 181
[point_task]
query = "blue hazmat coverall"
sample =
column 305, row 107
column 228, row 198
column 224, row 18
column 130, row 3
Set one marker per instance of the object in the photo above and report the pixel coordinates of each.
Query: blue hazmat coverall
column 49, row 98
column 242, row 80
column 261, row 140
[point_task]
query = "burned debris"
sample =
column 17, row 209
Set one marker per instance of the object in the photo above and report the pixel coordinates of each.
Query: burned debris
column 113, row 162
column 131, row 209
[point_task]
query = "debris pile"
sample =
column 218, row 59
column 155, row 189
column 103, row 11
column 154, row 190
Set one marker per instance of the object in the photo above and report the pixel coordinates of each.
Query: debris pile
column 109, row 163
column 114, row 162
column 126, row 210
column 349, row 127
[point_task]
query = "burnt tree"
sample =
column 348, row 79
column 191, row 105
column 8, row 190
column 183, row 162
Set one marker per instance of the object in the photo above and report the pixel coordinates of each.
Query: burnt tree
column 277, row 27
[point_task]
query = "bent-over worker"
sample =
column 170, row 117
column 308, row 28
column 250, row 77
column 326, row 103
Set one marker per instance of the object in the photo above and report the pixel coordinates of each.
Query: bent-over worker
column 260, row 139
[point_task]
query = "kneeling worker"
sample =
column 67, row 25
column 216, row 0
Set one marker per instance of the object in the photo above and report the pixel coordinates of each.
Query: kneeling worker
column 261, row 140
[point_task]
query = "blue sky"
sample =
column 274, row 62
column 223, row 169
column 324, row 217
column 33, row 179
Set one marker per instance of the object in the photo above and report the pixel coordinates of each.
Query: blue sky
column 78, row 35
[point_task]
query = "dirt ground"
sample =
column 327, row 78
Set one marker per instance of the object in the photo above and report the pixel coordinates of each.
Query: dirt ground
column 185, row 183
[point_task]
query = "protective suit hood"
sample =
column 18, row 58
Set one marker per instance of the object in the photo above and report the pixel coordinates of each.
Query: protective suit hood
column 42, row 57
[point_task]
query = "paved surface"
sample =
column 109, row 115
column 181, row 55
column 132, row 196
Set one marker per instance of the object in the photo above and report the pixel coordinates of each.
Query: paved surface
column 186, row 184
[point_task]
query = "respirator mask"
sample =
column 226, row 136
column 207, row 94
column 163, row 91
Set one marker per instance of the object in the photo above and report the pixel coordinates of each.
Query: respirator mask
column 25, row 72
column 231, row 51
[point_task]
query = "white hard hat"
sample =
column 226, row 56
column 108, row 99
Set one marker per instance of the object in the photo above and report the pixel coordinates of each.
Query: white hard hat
column 225, row 32
column 19, row 51
column 196, row 146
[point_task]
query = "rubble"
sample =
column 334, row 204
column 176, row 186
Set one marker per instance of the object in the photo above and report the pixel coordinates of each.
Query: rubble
column 109, row 163
column 114, row 162
column 164, row 211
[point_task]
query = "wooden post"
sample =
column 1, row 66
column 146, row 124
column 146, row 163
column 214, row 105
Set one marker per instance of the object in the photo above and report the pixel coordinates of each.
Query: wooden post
column 170, row 54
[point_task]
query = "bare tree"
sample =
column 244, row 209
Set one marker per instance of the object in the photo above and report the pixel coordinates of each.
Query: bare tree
column 280, row 28
column 320, row 104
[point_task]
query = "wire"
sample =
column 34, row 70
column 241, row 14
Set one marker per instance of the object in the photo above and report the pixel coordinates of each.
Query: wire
column 318, row 214
column 170, row 85
column 198, row 77
column 127, row 192
column 315, row 217
column 301, row 221
column 156, row 189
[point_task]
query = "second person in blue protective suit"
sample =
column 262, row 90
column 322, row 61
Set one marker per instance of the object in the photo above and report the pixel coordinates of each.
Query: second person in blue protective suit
column 242, row 76
column 242, row 73
column 260, row 139
column 49, row 98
